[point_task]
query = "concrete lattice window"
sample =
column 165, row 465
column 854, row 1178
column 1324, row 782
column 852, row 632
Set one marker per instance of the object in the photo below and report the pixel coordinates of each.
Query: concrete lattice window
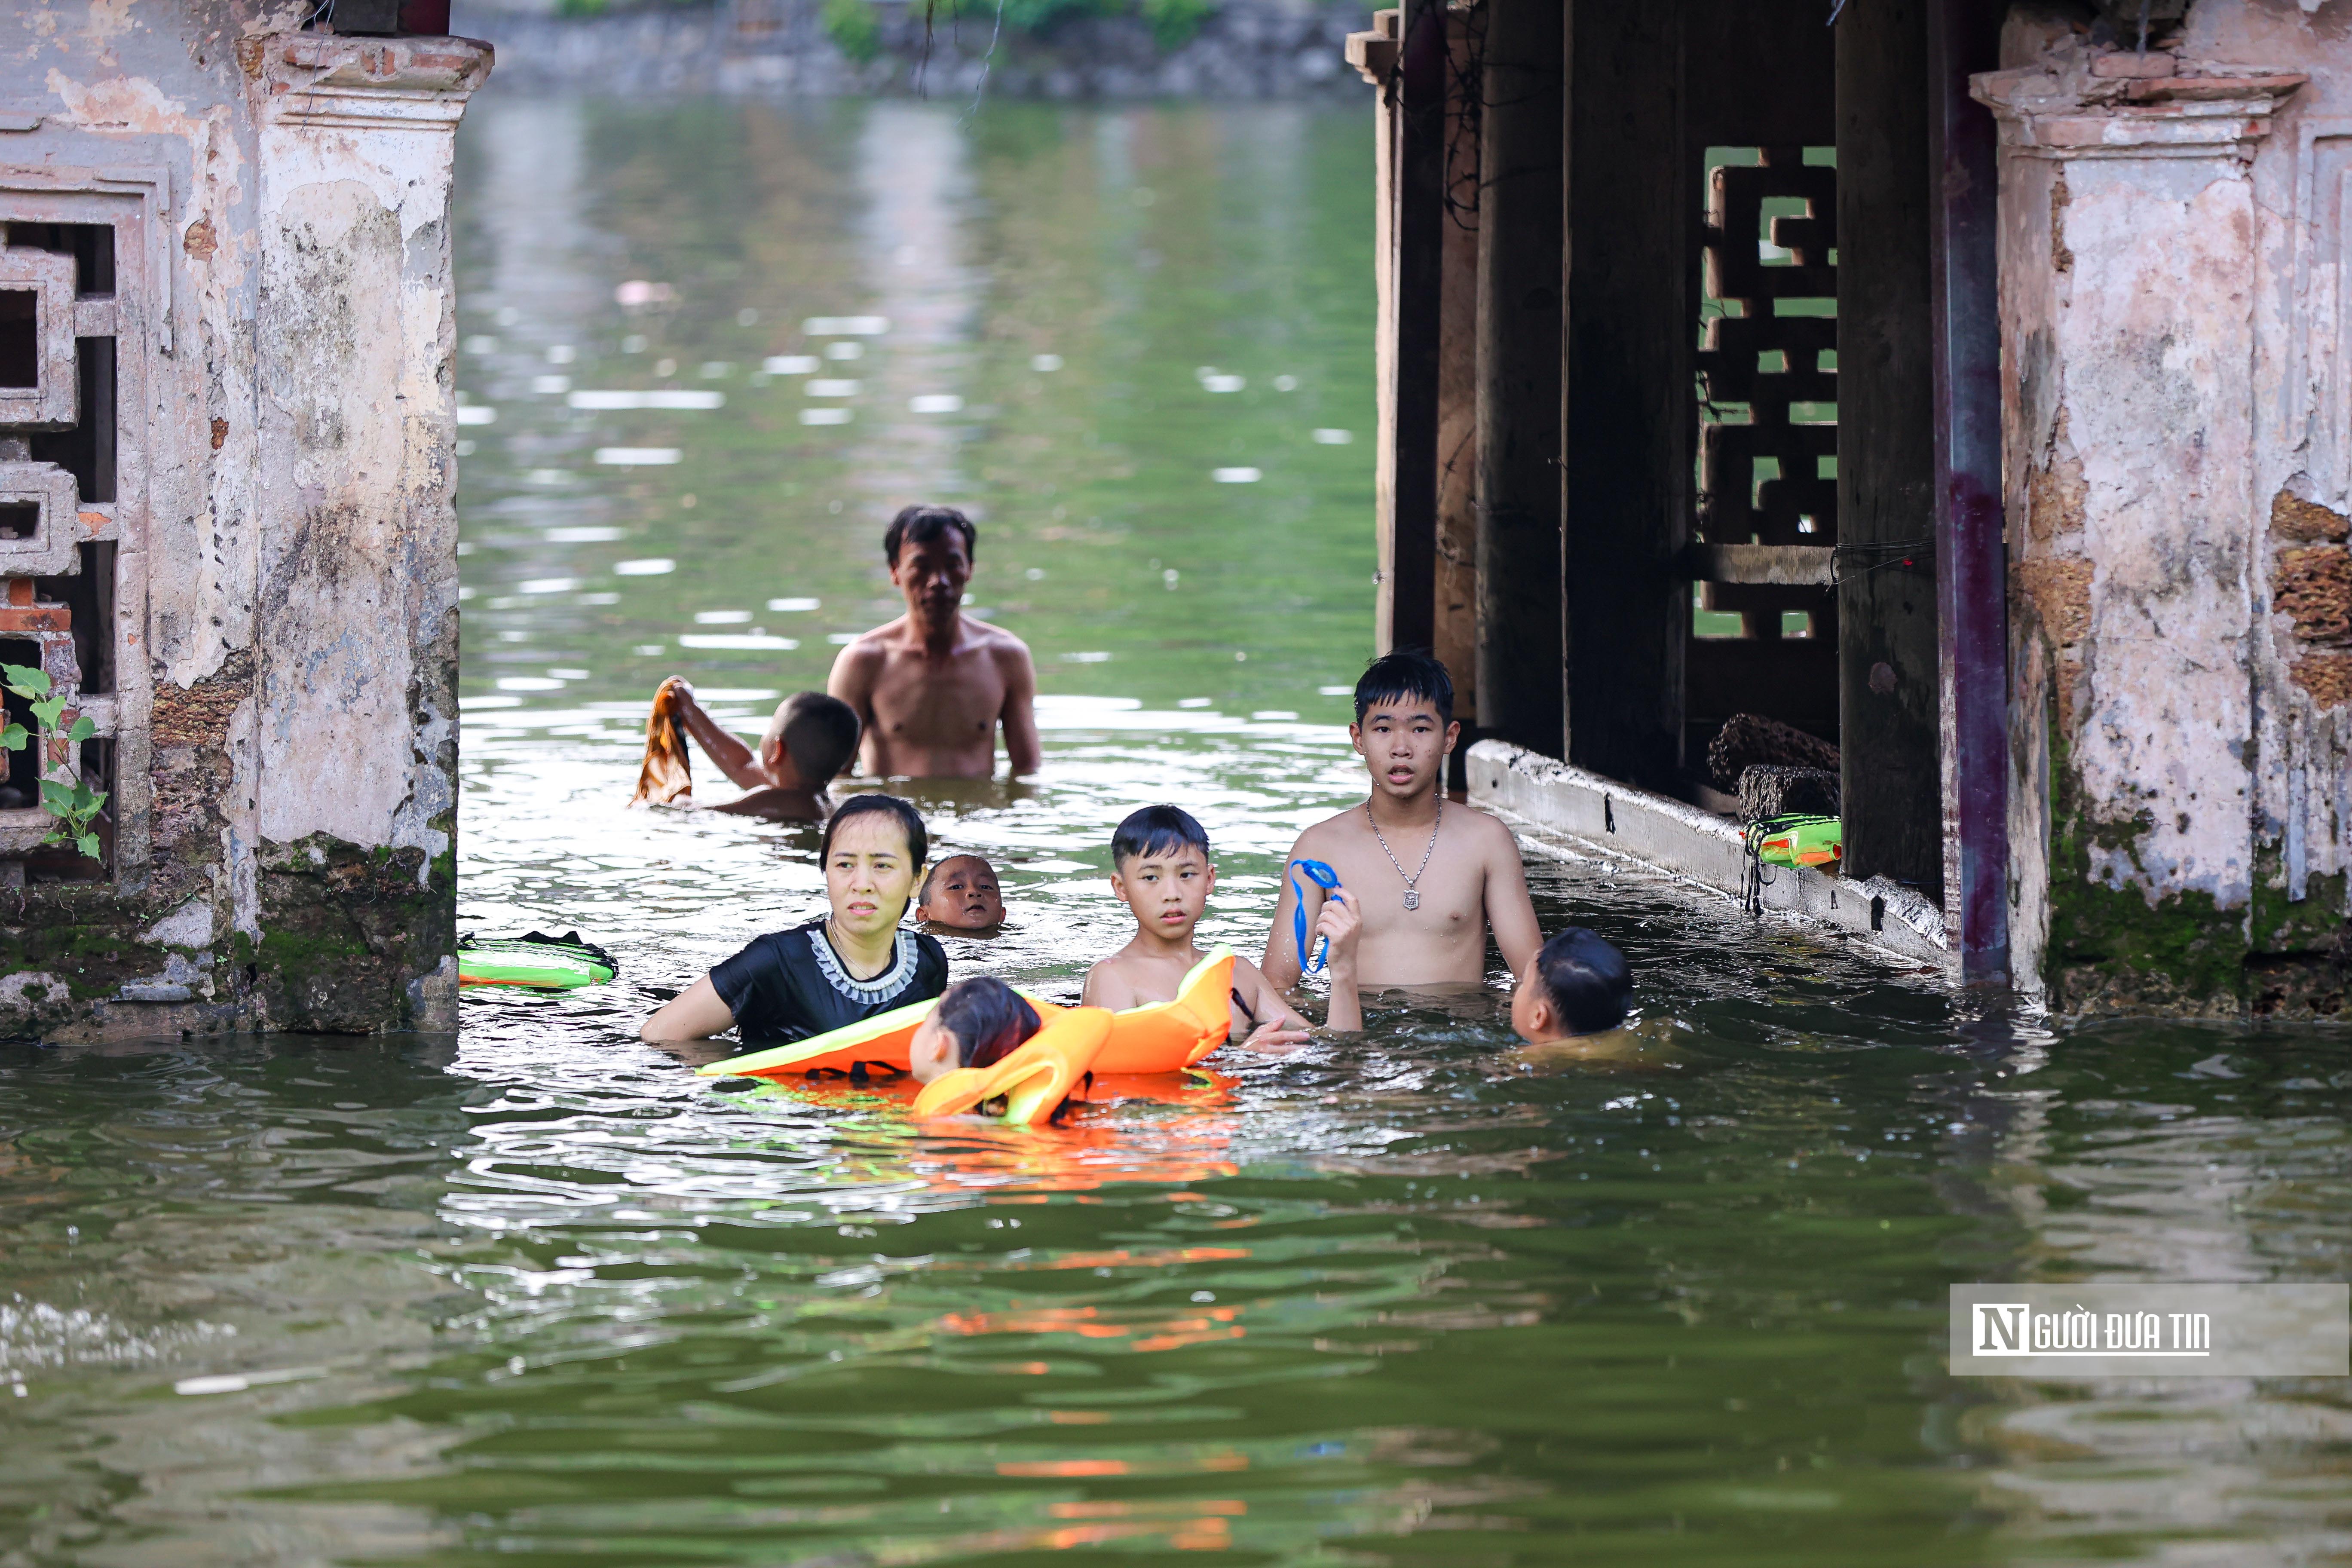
column 38, row 510
column 37, row 363
column 75, row 253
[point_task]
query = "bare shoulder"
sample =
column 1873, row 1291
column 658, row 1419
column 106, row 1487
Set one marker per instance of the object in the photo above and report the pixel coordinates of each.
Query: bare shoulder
column 999, row 643
column 867, row 652
column 1108, row 984
column 1489, row 833
column 1331, row 830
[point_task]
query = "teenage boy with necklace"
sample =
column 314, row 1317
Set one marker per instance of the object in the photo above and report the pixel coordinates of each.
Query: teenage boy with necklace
column 1428, row 883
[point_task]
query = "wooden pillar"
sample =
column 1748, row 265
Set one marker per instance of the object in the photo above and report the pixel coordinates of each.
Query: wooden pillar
column 1521, row 692
column 1887, row 654
column 1374, row 53
column 1964, row 36
column 1418, row 226
column 1627, row 471
column 1453, row 616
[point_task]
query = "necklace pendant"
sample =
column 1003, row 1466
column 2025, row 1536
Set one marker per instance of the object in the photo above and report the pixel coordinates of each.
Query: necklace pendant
column 1411, row 899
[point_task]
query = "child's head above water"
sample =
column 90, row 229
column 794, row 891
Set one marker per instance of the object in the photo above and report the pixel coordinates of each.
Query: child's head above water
column 962, row 894
column 1404, row 721
column 1157, row 830
column 1160, row 869
column 1409, row 677
column 1577, row 984
column 872, row 853
column 977, row 1024
column 816, row 732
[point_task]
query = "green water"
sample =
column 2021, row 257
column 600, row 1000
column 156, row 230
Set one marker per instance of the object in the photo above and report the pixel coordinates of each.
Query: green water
column 536, row 1295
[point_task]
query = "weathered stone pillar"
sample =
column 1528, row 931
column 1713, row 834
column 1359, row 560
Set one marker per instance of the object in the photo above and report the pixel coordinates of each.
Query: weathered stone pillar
column 356, row 604
column 247, row 468
column 2176, row 474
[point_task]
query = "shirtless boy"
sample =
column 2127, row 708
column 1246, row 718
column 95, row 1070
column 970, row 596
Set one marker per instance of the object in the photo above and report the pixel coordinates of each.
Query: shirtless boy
column 931, row 687
column 1428, row 880
column 809, row 740
column 961, row 894
column 1162, row 871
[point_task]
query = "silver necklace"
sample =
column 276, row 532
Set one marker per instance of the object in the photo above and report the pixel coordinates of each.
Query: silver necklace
column 1411, row 894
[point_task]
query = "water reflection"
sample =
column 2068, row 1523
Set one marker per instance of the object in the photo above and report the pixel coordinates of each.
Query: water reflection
column 922, row 392
column 2216, row 1161
column 550, row 1294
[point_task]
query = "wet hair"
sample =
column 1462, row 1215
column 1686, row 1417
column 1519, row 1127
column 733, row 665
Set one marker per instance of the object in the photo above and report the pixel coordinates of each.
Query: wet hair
column 1584, row 977
column 1407, row 672
column 1155, row 830
column 988, row 1018
column 919, row 843
column 819, row 733
column 922, row 524
column 923, row 894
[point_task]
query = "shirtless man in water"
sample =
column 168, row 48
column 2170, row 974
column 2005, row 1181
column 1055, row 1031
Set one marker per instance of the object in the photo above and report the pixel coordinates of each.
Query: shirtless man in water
column 931, row 687
column 1427, row 880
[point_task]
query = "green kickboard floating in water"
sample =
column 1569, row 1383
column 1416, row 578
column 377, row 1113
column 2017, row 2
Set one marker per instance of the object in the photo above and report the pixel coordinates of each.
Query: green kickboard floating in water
column 534, row 962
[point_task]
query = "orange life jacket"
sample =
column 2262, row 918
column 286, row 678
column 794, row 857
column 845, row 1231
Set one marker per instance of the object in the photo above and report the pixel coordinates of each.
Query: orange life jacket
column 1158, row 1037
column 1034, row 1079
column 1169, row 1036
column 882, row 1040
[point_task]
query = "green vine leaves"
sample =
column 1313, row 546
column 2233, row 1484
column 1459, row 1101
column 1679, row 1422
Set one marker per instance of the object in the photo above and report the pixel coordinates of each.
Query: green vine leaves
column 68, row 799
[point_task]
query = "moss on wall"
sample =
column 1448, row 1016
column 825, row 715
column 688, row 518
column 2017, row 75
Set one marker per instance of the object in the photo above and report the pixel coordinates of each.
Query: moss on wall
column 347, row 932
column 2116, row 949
column 345, row 929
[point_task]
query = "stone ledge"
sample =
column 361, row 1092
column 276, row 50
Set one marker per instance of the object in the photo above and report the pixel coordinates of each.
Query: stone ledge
column 318, row 79
column 2077, row 106
column 1543, row 798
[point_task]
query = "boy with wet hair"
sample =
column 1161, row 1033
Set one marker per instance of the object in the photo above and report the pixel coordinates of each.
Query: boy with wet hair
column 1577, row 984
column 1160, row 869
column 961, row 895
column 932, row 685
column 1430, row 883
column 811, row 738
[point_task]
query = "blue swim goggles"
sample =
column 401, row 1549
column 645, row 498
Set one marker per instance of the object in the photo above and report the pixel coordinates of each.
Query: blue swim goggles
column 1323, row 876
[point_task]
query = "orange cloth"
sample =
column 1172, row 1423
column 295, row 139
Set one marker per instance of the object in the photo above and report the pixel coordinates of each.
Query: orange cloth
column 667, row 773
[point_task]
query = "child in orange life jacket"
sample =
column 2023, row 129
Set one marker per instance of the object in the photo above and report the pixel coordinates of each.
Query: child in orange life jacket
column 980, row 1024
column 977, row 1024
column 1575, row 985
column 1160, row 869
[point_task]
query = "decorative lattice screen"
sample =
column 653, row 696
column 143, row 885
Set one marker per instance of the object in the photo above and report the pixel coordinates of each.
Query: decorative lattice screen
column 1767, row 377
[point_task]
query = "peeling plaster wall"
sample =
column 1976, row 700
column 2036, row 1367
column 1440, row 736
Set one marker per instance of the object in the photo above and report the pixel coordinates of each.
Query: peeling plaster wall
column 287, row 723
column 2169, row 261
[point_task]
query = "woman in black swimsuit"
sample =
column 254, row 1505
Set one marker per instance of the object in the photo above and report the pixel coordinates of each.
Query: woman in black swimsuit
column 850, row 963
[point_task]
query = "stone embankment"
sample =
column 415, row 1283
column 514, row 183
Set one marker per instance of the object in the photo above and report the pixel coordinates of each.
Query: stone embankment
column 1252, row 50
